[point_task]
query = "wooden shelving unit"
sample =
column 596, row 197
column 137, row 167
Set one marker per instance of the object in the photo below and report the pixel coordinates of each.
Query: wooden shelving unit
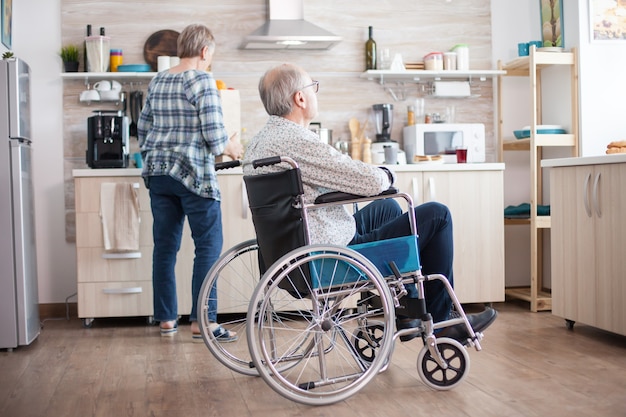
column 531, row 67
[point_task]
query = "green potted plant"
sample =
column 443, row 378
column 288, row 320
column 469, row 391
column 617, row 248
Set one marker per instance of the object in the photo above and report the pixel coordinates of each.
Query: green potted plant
column 8, row 55
column 69, row 55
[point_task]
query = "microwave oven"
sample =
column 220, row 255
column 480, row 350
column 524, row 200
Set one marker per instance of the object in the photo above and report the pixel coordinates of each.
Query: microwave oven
column 443, row 139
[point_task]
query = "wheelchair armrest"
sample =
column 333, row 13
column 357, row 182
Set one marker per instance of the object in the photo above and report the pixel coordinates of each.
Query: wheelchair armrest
column 337, row 196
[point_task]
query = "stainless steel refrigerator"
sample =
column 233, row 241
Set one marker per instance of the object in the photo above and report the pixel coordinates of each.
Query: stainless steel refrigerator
column 19, row 304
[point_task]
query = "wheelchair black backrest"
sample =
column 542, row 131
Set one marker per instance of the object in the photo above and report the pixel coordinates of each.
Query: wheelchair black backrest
column 276, row 204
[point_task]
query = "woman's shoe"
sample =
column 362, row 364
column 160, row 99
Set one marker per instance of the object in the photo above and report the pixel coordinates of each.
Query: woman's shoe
column 223, row 335
column 168, row 328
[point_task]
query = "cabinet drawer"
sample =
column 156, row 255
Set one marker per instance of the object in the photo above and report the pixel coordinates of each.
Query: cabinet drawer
column 89, row 230
column 115, row 299
column 92, row 267
column 87, row 192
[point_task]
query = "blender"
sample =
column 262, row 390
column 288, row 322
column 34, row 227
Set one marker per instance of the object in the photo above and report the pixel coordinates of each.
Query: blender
column 383, row 120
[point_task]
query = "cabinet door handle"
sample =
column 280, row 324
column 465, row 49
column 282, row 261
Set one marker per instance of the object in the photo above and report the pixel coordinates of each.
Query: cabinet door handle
column 586, row 195
column 415, row 189
column 244, row 201
column 432, row 192
column 596, row 201
column 132, row 290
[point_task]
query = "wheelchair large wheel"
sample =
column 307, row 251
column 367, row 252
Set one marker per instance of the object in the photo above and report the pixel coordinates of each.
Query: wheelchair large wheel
column 308, row 345
column 234, row 277
column 444, row 378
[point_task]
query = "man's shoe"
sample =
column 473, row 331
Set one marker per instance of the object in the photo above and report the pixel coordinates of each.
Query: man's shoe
column 478, row 321
column 407, row 323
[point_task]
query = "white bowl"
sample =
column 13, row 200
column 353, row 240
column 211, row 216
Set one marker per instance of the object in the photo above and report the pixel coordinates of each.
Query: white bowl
column 89, row 95
column 110, row 95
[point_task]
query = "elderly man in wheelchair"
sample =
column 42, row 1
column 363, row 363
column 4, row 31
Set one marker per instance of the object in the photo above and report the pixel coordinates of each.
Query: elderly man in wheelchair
column 290, row 98
column 319, row 323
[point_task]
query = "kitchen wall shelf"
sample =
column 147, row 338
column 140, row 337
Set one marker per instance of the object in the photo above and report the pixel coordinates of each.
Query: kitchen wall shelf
column 531, row 67
column 398, row 83
column 107, row 75
column 383, row 76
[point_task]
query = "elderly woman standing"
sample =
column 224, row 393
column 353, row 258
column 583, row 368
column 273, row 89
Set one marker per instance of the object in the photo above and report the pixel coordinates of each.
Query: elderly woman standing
column 180, row 131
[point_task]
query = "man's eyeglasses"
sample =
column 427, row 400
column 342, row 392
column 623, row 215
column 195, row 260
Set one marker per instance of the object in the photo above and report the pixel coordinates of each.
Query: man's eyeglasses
column 314, row 84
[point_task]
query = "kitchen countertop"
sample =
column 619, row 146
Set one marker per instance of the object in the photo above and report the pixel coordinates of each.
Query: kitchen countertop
column 585, row 160
column 423, row 167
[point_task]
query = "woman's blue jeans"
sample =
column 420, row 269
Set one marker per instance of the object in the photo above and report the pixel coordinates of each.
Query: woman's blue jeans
column 171, row 202
column 383, row 219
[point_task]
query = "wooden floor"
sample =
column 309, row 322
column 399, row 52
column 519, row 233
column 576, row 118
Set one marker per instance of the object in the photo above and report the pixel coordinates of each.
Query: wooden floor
column 530, row 365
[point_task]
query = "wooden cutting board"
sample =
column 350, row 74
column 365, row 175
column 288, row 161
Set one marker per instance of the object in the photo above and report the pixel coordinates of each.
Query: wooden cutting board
column 160, row 43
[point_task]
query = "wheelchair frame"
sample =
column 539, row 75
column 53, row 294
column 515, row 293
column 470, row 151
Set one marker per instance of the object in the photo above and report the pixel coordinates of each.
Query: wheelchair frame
column 322, row 345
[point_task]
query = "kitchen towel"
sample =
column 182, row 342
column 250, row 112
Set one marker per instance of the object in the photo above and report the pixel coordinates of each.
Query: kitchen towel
column 119, row 211
column 523, row 211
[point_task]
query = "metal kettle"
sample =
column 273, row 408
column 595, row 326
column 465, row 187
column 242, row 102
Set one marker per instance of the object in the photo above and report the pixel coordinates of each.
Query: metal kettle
column 326, row 135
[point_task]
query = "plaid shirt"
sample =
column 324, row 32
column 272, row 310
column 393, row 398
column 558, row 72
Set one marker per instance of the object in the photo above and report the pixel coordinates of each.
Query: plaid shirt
column 181, row 130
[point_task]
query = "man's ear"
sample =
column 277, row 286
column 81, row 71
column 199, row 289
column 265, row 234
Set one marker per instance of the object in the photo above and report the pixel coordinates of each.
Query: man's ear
column 298, row 98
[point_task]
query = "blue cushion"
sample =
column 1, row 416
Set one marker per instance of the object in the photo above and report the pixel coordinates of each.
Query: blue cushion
column 402, row 250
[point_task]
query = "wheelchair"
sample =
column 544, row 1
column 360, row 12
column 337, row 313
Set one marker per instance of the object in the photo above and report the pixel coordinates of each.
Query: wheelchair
column 320, row 320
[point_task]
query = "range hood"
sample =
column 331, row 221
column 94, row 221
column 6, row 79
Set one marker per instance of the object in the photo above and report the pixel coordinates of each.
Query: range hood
column 287, row 29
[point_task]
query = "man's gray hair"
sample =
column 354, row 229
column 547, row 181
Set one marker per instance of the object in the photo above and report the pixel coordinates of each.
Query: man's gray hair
column 277, row 87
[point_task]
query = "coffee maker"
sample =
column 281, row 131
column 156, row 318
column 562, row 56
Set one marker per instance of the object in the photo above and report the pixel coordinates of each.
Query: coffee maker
column 107, row 140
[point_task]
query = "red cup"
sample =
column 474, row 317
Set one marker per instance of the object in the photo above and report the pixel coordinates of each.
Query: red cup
column 461, row 156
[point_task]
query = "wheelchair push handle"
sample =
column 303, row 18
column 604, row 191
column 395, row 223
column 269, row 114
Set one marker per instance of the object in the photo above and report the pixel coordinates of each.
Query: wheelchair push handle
column 228, row 164
column 273, row 160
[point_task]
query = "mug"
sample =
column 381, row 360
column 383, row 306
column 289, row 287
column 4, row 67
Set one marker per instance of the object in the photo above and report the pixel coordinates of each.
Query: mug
column 116, row 86
column 89, row 95
column 522, row 49
column 391, row 155
column 163, row 63
column 103, row 85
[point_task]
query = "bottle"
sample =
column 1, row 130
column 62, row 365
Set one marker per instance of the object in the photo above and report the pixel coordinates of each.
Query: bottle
column 410, row 115
column 85, row 49
column 370, row 51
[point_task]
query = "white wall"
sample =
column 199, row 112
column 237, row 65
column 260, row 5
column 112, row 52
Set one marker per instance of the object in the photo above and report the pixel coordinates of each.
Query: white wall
column 602, row 96
column 513, row 22
column 36, row 40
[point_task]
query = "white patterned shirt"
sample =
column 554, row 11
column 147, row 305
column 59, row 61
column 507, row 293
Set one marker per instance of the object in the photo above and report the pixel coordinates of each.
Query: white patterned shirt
column 323, row 169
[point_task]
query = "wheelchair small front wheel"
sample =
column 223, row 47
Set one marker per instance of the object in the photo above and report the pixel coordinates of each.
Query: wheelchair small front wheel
column 456, row 358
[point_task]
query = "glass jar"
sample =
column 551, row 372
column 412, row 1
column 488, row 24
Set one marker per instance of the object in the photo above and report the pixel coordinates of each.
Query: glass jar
column 462, row 56
column 449, row 61
column 117, row 59
column 433, row 61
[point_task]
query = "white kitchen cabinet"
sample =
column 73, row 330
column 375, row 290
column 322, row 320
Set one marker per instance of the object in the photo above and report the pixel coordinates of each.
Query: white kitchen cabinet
column 122, row 287
column 588, row 241
column 110, row 287
column 475, row 200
